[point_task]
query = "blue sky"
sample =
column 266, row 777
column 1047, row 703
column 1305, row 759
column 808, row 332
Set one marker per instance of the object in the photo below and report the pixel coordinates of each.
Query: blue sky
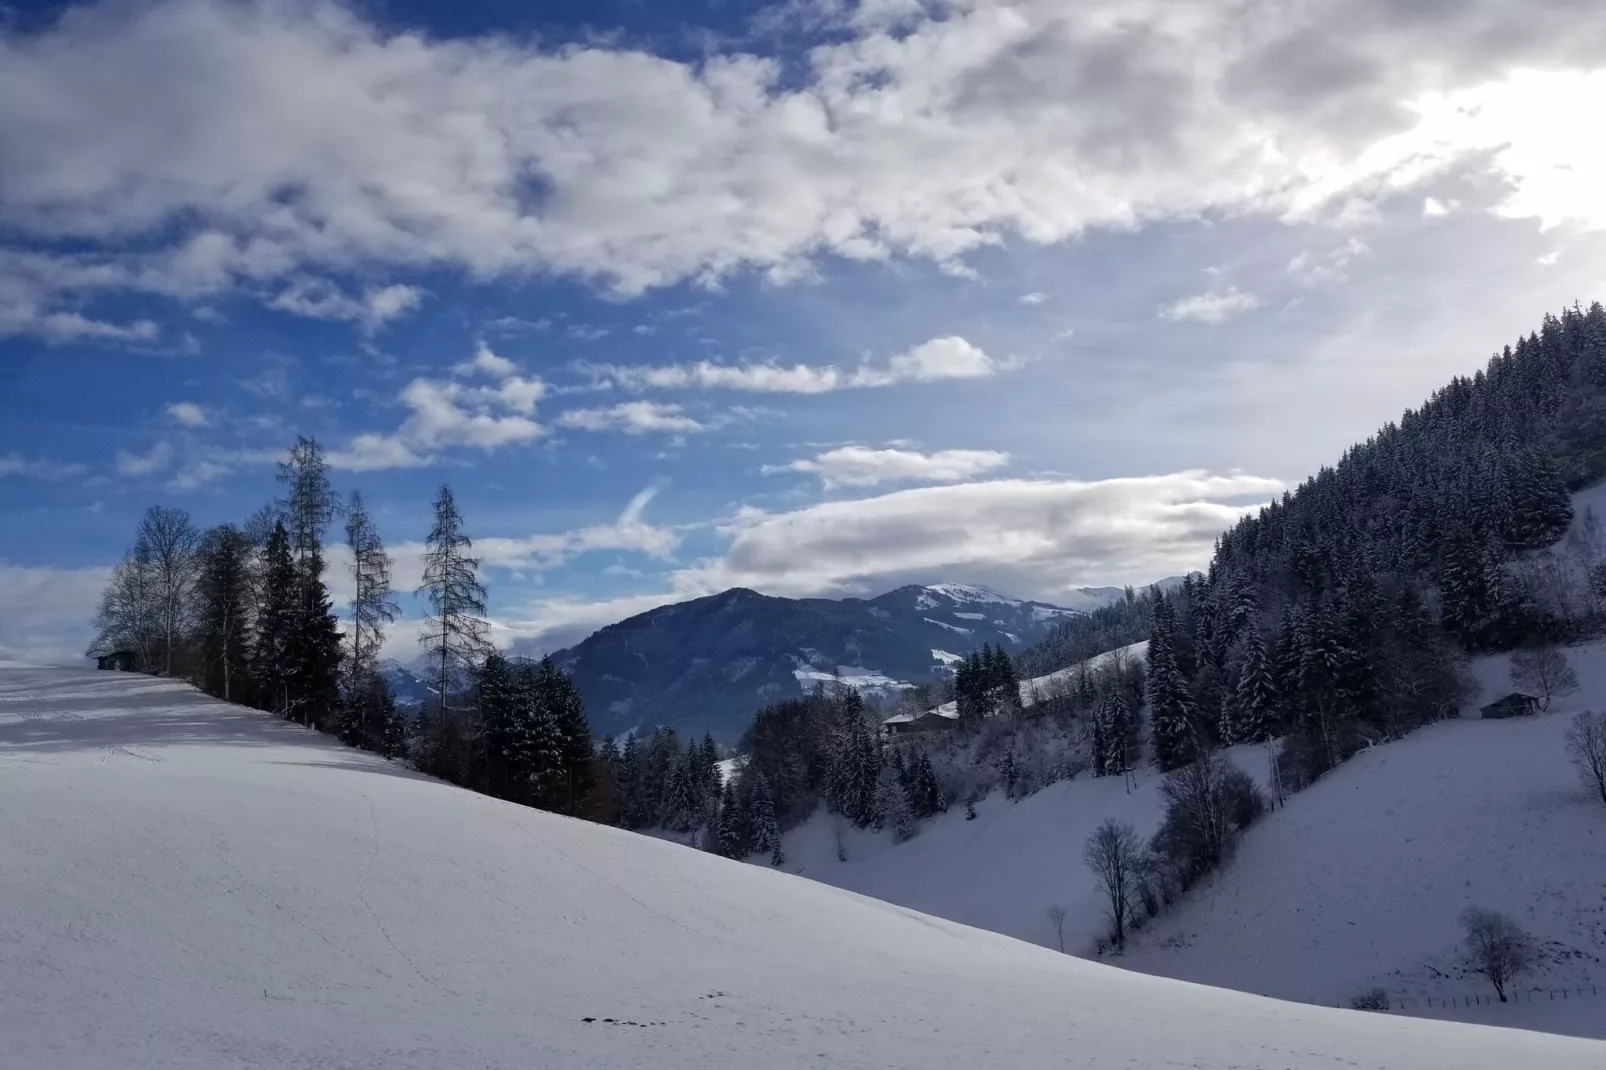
column 814, row 297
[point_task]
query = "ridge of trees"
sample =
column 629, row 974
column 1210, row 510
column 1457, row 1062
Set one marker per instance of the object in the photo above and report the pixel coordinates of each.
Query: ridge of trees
column 245, row 613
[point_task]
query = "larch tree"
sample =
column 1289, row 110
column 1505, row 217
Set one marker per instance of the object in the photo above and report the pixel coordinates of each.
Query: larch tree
column 372, row 604
column 455, row 630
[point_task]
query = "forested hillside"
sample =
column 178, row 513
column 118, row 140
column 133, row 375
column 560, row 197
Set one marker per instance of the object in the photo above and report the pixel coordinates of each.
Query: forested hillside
column 1342, row 613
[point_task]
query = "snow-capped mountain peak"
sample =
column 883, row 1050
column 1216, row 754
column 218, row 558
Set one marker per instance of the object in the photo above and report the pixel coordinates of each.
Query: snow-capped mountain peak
column 970, row 592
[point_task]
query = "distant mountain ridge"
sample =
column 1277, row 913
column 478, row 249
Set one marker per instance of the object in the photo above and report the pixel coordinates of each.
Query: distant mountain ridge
column 708, row 664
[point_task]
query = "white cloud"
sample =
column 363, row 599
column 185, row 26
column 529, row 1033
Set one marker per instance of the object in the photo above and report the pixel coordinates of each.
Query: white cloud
column 46, row 613
column 633, row 418
column 445, row 413
column 861, row 466
column 321, row 299
column 1032, row 538
column 1033, row 298
column 629, row 532
column 931, row 361
column 486, row 362
column 318, row 143
column 143, row 464
column 14, row 464
column 187, row 414
column 1432, row 207
column 1212, row 308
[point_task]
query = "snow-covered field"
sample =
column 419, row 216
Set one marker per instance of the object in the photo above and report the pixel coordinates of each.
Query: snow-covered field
column 189, row 884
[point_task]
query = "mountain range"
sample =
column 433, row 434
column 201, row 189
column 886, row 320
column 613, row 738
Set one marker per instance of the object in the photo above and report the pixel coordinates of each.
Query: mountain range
column 708, row 664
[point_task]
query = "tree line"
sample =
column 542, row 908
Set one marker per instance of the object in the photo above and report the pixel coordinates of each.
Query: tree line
column 245, row 613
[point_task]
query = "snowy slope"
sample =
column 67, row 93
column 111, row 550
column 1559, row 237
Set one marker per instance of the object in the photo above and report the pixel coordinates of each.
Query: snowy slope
column 1359, row 879
column 1003, row 870
column 188, row 884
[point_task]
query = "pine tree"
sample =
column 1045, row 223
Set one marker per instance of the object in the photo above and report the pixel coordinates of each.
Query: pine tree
column 275, row 623
column 455, row 630
column 225, row 597
column 1170, row 704
column 312, row 649
column 764, row 832
column 1254, row 701
column 892, row 807
column 730, row 837
column 928, row 798
column 501, row 709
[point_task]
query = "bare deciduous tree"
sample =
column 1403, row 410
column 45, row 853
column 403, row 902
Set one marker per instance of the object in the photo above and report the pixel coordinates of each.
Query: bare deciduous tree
column 1543, row 668
column 130, row 612
column 1586, row 746
column 1496, row 947
column 168, row 542
column 1056, row 916
column 1113, row 853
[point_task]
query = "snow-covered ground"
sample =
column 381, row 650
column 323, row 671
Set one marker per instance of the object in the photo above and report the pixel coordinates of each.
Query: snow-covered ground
column 189, row 884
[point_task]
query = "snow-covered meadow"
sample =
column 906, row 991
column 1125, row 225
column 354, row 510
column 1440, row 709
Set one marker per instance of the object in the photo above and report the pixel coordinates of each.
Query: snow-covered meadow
column 185, row 883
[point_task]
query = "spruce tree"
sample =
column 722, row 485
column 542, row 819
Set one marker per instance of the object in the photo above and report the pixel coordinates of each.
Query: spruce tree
column 1254, row 700
column 498, row 728
column 730, row 837
column 764, row 832
column 274, row 623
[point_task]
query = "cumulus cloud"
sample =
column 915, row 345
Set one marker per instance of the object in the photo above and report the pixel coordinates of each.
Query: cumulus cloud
column 1033, row 298
column 15, row 464
column 930, row 361
column 446, row 413
column 317, row 143
column 862, row 466
column 45, row 613
column 157, row 458
column 322, row 299
column 1211, row 308
column 633, row 418
column 1029, row 537
column 187, row 414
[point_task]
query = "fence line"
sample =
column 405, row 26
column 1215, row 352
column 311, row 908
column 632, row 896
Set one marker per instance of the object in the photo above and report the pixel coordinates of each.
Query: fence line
column 1531, row 995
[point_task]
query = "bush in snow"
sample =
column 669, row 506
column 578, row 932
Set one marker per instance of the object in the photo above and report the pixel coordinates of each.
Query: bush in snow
column 1208, row 802
column 1496, row 947
column 1586, row 746
column 1373, row 999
